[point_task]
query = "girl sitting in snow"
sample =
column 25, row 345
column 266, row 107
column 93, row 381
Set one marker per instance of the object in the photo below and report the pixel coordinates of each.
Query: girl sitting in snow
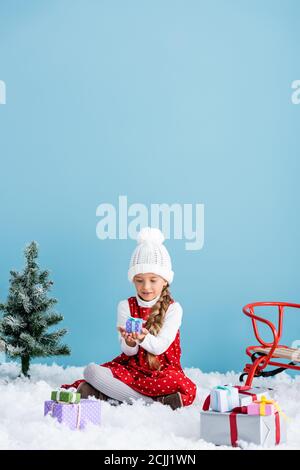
column 149, row 366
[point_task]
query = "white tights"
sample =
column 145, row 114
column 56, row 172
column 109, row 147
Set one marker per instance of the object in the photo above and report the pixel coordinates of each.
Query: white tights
column 102, row 379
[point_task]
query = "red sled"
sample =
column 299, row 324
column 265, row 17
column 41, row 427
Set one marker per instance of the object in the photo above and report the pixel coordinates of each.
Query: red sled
column 263, row 355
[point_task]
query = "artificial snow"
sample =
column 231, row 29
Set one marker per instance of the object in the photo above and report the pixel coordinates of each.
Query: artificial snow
column 137, row 426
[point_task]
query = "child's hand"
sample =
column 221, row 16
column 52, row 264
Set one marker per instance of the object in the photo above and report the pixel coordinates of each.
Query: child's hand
column 127, row 336
column 131, row 337
column 140, row 336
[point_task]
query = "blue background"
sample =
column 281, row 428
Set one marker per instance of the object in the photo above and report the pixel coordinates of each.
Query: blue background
column 165, row 102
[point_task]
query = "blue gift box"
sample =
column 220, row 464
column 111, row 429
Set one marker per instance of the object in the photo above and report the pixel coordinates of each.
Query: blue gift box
column 134, row 325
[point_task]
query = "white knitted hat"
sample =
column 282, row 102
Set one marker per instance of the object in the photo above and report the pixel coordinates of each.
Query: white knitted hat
column 150, row 255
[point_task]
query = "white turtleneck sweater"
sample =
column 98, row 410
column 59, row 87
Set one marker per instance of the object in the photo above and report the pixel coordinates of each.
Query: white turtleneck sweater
column 153, row 344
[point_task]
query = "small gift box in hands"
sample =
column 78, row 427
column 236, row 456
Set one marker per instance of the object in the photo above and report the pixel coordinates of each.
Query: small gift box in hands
column 134, row 325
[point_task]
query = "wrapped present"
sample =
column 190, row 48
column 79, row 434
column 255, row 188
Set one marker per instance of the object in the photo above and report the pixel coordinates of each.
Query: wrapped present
column 75, row 415
column 134, row 325
column 224, row 398
column 249, row 394
column 229, row 428
column 264, row 407
column 65, row 396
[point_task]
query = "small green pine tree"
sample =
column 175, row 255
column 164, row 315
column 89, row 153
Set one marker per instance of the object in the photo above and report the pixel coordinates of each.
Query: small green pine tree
column 28, row 315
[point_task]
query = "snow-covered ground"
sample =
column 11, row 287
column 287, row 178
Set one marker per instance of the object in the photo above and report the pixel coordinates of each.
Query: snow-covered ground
column 137, row 426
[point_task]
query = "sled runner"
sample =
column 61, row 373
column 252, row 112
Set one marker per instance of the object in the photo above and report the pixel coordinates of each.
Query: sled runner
column 263, row 355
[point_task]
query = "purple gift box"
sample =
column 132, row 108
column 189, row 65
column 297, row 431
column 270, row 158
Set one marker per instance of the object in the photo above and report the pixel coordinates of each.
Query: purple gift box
column 74, row 415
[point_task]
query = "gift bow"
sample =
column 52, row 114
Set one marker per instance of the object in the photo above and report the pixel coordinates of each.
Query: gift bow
column 136, row 320
column 262, row 406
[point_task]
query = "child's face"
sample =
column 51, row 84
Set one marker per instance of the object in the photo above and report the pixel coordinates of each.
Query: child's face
column 149, row 285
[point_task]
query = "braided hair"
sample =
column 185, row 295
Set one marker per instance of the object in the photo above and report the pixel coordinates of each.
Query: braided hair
column 155, row 322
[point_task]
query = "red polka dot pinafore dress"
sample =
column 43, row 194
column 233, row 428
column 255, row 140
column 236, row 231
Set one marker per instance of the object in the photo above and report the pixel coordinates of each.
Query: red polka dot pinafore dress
column 136, row 373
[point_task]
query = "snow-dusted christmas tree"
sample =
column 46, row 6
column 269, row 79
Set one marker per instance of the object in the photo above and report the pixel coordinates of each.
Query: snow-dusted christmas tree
column 28, row 314
column 2, row 351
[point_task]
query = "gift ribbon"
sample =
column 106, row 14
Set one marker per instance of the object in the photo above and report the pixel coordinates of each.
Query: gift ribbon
column 78, row 415
column 234, row 429
column 262, row 406
column 244, row 390
column 71, row 394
